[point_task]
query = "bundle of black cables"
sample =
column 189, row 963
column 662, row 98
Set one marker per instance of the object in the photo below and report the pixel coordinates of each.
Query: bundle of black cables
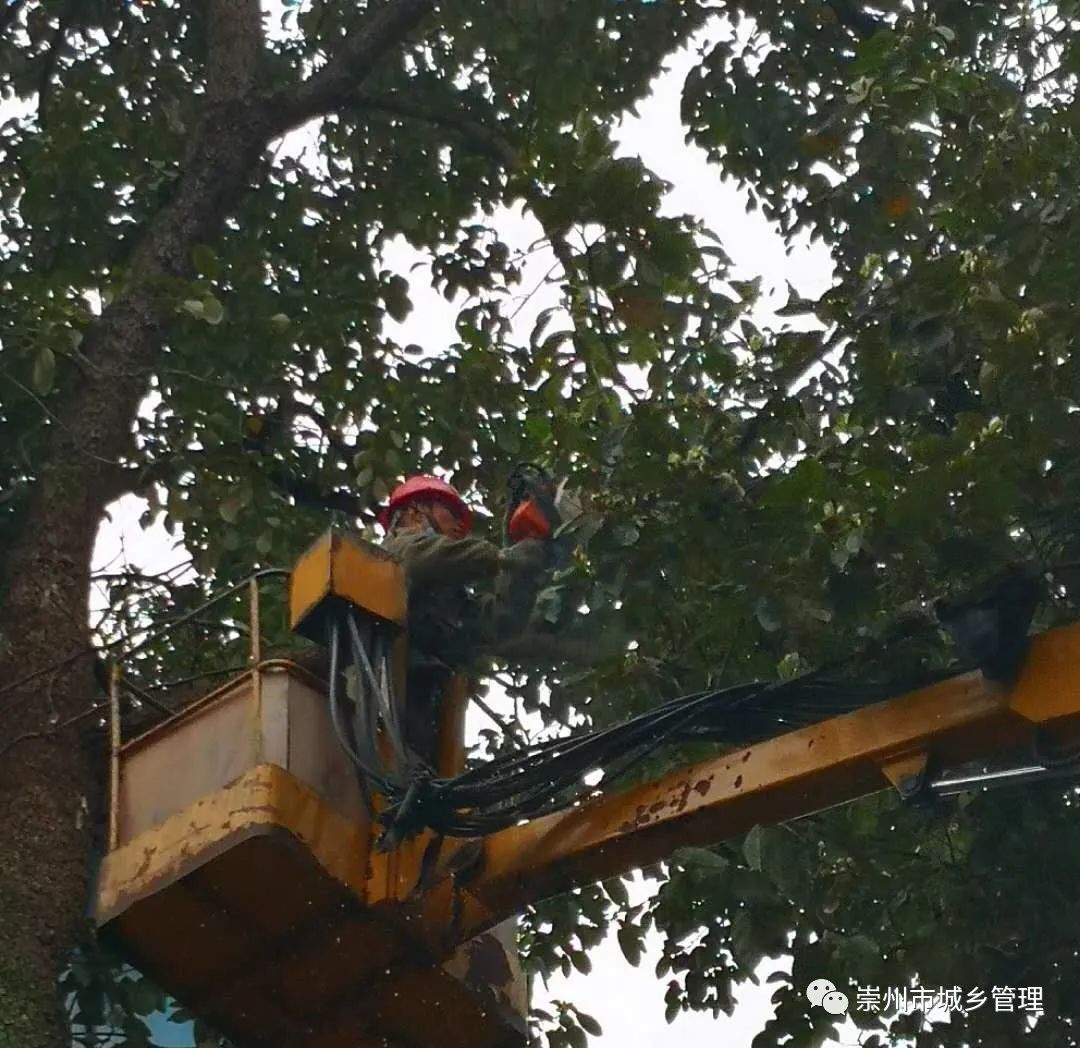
column 551, row 776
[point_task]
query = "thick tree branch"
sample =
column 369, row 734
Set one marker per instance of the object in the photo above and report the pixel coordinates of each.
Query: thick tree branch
column 234, row 36
column 474, row 133
column 331, row 87
column 48, row 68
column 332, row 437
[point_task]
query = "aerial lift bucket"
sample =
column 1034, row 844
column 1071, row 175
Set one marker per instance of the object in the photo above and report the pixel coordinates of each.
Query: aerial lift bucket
column 241, row 874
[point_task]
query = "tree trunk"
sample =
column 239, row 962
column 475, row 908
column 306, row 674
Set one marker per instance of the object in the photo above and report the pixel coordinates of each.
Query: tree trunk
column 51, row 787
column 48, row 787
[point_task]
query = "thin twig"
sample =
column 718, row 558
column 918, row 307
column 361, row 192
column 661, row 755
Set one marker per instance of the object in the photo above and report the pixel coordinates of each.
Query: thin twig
column 204, row 675
column 505, row 727
column 151, row 635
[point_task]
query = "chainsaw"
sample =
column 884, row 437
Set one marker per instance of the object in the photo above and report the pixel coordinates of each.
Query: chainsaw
column 538, row 507
column 531, row 504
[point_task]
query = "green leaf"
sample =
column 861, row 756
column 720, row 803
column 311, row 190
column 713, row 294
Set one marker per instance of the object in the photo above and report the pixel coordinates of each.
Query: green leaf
column 90, row 1004
column 791, row 665
column 136, row 1034
column 766, row 616
column 581, row 962
column 744, row 944
column 229, row 509
column 44, row 374
column 589, row 1024
column 700, row 857
column 616, row 890
column 206, row 262
column 860, row 89
column 213, row 312
column 397, row 301
column 630, row 943
column 625, row 534
column 144, row 997
column 280, row 322
column 752, row 848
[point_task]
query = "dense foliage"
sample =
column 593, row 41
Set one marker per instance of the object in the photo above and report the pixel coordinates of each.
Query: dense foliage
column 772, row 498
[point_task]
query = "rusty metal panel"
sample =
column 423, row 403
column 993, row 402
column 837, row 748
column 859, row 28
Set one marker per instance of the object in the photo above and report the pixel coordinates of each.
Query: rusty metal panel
column 264, row 799
column 339, row 955
column 211, row 947
column 213, row 743
column 1048, row 690
column 367, row 576
column 192, row 755
column 452, row 709
column 787, row 777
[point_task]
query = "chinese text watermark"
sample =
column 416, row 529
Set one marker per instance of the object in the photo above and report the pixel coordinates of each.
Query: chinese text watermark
column 905, row 999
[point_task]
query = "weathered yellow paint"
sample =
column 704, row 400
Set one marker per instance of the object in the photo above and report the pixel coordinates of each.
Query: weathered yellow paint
column 250, row 907
column 263, row 800
column 338, row 569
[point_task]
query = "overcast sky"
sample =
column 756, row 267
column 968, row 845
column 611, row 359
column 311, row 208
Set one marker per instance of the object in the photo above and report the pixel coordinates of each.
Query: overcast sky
column 628, row 1002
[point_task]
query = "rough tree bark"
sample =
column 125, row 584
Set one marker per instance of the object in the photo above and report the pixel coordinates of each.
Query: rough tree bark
column 50, row 786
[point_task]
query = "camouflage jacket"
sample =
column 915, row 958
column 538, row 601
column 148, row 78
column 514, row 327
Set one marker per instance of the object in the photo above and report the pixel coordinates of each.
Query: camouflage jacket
column 467, row 597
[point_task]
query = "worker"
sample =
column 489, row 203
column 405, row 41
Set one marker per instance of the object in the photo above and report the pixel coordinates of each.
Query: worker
column 428, row 530
column 468, row 598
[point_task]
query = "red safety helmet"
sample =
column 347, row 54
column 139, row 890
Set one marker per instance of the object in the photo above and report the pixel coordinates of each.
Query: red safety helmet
column 425, row 488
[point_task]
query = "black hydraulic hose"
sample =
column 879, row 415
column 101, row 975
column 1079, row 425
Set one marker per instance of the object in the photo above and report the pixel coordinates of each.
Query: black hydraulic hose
column 522, row 795
column 563, row 775
column 365, row 715
column 555, row 749
column 366, row 771
column 393, row 700
column 550, row 776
